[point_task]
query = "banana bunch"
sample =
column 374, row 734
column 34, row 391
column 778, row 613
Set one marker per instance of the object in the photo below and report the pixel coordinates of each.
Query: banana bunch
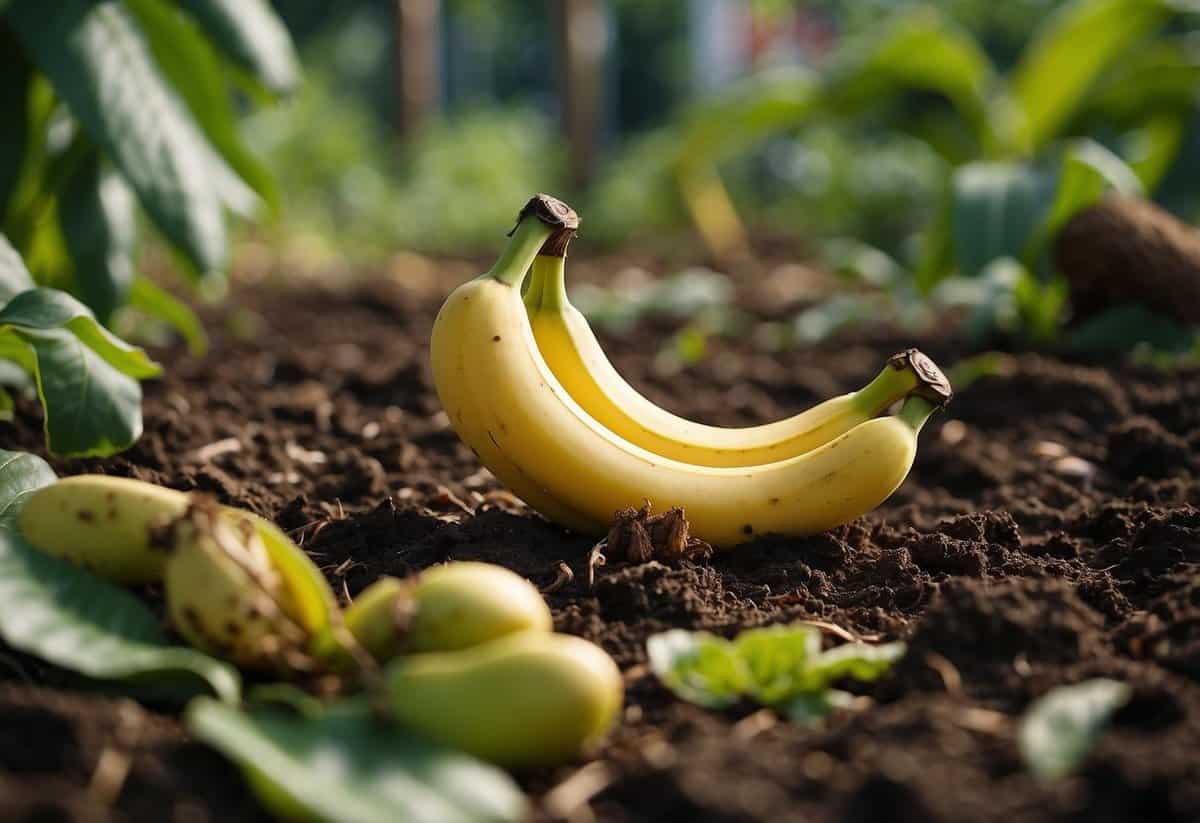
column 528, row 388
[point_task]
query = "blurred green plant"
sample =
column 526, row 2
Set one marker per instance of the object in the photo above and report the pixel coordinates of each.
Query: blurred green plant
column 1016, row 166
column 350, row 189
column 1077, row 76
column 113, row 105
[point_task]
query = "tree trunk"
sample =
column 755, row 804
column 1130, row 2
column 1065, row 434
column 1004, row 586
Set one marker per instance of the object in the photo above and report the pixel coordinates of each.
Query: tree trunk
column 417, row 75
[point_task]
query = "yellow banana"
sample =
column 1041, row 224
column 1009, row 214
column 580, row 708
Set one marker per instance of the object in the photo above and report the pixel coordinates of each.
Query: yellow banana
column 574, row 355
column 538, row 440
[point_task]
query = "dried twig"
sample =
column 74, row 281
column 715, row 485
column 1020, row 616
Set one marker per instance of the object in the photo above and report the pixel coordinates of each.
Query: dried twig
column 563, row 576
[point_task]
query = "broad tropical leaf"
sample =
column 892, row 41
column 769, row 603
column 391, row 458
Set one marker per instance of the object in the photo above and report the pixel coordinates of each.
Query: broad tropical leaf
column 47, row 309
column 101, row 66
column 92, row 409
column 96, row 213
column 250, row 33
column 189, row 61
column 1070, row 51
column 344, row 765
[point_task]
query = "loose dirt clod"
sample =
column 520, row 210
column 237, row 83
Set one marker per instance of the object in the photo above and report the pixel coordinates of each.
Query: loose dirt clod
column 1020, row 578
column 1126, row 250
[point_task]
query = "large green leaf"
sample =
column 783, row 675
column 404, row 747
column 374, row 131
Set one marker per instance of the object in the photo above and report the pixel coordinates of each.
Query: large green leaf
column 1072, row 49
column 96, row 212
column 160, row 304
column 922, row 50
column 100, row 65
column 21, row 475
column 91, row 408
column 54, row 309
column 345, row 766
column 16, row 75
column 997, row 208
column 14, row 277
column 253, row 36
column 74, row 620
column 192, row 66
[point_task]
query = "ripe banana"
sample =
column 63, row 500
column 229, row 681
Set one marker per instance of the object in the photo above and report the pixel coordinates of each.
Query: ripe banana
column 509, row 407
column 574, row 355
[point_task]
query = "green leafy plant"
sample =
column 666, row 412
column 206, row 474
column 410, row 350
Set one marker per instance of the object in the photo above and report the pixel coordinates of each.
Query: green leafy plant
column 778, row 666
column 1059, row 728
column 1017, row 164
column 113, row 105
column 338, row 763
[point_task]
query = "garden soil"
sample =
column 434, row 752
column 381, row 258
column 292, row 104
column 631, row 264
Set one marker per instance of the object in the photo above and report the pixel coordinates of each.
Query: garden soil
column 1049, row 533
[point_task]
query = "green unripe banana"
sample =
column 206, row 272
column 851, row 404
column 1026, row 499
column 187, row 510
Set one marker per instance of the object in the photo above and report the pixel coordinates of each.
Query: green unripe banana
column 112, row 526
column 224, row 594
column 449, row 607
column 527, row 699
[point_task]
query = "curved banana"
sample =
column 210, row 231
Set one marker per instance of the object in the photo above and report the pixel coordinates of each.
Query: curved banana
column 509, row 407
column 574, row 355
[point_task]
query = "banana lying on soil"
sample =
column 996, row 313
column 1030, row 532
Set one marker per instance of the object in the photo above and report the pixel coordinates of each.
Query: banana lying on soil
column 527, row 699
column 446, row 608
column 573, row 354
column 509, row 407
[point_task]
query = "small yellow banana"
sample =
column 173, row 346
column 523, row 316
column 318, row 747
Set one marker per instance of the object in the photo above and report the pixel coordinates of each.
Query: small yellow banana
column 574, row 355
column 512, row 410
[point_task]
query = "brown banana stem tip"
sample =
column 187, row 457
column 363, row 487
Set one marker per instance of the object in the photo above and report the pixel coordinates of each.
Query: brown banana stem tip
column 556, row 214
column 934, row 386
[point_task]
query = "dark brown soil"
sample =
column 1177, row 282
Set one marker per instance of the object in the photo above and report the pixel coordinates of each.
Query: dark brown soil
column 1048, row 534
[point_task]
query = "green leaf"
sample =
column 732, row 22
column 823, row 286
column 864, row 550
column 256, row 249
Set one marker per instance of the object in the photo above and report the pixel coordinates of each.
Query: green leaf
column 776, row 658
column 1051, row 80
column 74, row 620
column 96, row 212
column 698, row 667
column 14, row 277
column 1059, row 729
column 191, row 64
column 346, row 766
column 47, row 309
column 253, row 36
column 91, row 408
column 21, row 475
column 16, row 76
column 6, row 405
column 859, row 661
column 997, row 207
column 1153, row 147
column 154, row 302
column 101, row 67
column 919, row 50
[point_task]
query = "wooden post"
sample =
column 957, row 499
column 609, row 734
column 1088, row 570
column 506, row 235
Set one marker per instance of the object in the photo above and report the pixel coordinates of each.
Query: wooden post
column 582, row 43
column 417, row 75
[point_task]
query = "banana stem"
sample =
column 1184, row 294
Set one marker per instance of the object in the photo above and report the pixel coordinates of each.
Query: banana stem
column 915, row 410
column 889, row 385
column 523, row 245
column 543, row 218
